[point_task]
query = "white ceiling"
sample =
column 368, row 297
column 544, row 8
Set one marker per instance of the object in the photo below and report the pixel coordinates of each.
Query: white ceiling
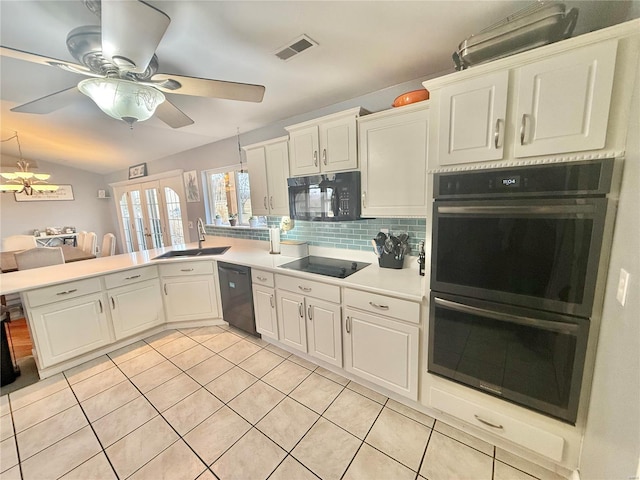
column 364, row 46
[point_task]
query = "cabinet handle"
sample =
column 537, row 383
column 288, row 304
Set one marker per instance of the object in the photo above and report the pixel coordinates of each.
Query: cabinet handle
column 100, row 303
column 300, row 310
column 496, row 133
column 67, row 292
column 489, row 424
column 132, row 277
column 113, row 304
column 348, row 324
column 164, row 287
column 309, row 313
column 364, row 199
column 381, row 307
column 262, row 279
column 264, row 201
column 324, row 156
column 186, row 269
column 523, row 127
column 304, row 289
column 315, row 158
column 271, row 301
column 271, row 201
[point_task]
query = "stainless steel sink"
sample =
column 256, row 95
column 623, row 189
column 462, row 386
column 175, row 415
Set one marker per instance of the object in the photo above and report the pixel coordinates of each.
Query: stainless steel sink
column 194, row 252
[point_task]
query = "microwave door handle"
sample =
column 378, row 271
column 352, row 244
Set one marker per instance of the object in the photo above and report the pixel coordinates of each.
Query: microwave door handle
column 560, row 327
column 335, row 202
column 530, row 210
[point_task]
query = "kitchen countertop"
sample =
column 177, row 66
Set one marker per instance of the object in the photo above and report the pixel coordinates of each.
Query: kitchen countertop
column 402, row 283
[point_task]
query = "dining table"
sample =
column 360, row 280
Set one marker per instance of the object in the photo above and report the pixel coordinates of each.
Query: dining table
column 70, row 253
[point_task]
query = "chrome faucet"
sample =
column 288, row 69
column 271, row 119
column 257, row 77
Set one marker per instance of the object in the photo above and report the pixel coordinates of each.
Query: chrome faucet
column 201, row 232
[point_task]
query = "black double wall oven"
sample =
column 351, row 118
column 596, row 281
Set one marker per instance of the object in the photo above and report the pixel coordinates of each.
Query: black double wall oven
column 513, row 277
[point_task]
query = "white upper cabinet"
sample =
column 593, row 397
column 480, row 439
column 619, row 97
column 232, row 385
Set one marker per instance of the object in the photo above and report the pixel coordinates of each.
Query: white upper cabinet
column 472, row 116
column 393, row 161
column 528, row 105
column 268, row 165
column 563, row 102
column 326, row 144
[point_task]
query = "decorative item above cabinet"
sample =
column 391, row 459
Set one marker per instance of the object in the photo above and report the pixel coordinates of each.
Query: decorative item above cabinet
column 326, row 144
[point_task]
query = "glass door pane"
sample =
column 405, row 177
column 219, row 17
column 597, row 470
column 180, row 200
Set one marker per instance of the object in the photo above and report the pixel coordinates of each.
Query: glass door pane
column 153, row 218
column 174, row 214
column 137, row 220
column 126, row 222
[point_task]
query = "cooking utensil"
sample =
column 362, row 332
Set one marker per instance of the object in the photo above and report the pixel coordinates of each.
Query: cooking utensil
column 411, row 97
column 380, row 239
column 389, row 245
column 375, row 248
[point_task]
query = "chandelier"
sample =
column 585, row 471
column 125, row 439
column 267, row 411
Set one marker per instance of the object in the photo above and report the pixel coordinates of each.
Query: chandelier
column 122, row 99
column 24, row 181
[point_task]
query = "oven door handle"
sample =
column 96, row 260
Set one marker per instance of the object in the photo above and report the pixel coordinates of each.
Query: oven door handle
column 515, row 209
column 560, row 327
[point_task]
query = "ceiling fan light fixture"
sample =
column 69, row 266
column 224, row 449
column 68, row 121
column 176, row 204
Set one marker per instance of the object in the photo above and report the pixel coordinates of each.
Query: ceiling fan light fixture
column 122, row 99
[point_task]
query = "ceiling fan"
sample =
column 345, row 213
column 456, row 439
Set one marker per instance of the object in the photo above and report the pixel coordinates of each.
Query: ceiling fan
column 119, row 56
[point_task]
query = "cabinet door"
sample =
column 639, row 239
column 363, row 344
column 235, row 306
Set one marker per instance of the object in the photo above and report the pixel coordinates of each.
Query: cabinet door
column 136, row 307
column 258, row 174
column 303, row 151
column 64, row 330
column 265, row 310
column 382, row 351
column 338, row 145
column 472, row 119
column 291, row 321
column 324, row 331
column 277, row 161
column 563, row 102
column 190, row 297
column 393, row 153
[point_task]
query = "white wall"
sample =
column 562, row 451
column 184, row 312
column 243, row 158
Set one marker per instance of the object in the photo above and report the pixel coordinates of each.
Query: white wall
column 611, row 446
column 85, row 212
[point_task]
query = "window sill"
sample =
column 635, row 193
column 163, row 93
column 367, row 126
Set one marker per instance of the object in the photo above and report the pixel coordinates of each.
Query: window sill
column 241, row 227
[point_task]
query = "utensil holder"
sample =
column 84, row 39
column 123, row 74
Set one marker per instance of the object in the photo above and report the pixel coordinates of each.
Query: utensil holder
column 389, row 260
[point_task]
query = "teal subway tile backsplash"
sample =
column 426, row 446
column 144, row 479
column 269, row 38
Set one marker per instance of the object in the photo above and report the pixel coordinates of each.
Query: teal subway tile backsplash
column 355, row 235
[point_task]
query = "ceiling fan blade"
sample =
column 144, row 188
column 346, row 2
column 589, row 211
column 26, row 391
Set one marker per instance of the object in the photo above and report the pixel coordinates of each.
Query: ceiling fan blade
column 49, row 103
column 172, row 115
column 203, row 87
column 42, row 60
column 131, row 32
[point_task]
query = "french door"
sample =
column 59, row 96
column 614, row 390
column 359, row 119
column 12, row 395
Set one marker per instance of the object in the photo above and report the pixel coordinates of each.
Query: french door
column 151, row 214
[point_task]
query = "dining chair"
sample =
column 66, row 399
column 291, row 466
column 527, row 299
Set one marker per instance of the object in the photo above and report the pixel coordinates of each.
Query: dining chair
column 108, row 245
column 89, row 243
column 80, row 238
column 39, row 257
column 18, row 242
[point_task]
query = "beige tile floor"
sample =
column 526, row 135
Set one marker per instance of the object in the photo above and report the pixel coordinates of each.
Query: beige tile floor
column 213, row 403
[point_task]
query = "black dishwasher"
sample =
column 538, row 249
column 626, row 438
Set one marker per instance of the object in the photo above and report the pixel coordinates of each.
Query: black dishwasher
column 237, row 297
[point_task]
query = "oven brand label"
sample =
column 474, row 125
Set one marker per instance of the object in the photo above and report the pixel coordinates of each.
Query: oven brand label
column 511, row 181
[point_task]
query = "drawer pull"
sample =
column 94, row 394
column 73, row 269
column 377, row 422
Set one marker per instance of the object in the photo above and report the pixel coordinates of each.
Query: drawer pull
column 67, row 292
column 381, row 307
column 304, row 289
column 488, row 424
column 262, row 279
column 186, row 269
column 132, row 277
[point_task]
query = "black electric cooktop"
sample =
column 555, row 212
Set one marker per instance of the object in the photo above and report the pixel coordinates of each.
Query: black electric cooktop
column 331, row 267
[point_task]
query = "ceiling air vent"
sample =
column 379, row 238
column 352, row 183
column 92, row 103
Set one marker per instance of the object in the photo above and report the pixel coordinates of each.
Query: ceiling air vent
column 295, row 47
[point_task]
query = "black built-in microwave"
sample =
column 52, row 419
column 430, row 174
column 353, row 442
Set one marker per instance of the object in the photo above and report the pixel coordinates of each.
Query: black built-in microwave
column 332, row 197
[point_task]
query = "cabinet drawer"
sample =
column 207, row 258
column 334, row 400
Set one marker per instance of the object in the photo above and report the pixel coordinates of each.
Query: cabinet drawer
column 533, row 438
column 130, row 276
column 330, row 293
column 64, row 291
column 186, row 268
column 260, row 277
column 404, row 310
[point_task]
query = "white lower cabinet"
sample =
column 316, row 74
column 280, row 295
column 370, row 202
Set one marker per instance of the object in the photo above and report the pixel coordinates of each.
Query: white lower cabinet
column 189, row 291
column 307, row 323
column 264, row 305
column 136, row 307
column 380, row 349
column 68, row 328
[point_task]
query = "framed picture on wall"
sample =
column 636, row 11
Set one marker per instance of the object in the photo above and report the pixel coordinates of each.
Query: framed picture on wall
column 64, row 192
column 138, row 171
column 191, row 186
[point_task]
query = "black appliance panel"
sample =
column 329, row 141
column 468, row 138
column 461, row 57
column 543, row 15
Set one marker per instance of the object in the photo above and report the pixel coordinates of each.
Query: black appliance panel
column 325, row 198
column 237, row 296
column 331, row 267
column 529, row 357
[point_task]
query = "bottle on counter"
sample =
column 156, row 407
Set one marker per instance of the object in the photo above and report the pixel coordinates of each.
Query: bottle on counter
column 421, row 259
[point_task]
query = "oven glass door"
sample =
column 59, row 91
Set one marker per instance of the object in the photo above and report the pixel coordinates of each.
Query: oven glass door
column 540, row 254
column 531, row 358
